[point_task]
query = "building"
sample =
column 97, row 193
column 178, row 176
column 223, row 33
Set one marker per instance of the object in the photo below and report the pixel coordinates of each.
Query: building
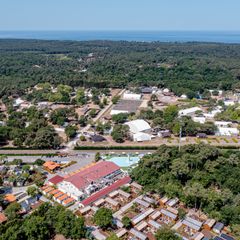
column 218, row 227
column 228, row 103
column 201, row 120
column 89, row 180
column 55, row 180
column 227, row 131
column 131, row 96
column 126, row 106
column 222, row 123
column 141, row 137
column 139, row 129
column 138, row 125
column 189, row 111
column 51, row 166
column 146, row 90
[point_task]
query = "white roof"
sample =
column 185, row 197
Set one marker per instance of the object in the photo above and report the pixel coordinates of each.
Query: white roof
column 140, row 137
column 222, row 123
column 184, row 96
column 201, row 120
column 138, row 125
column 229, row 102
column 166, row 90
column 189, row 111
column 115, row 112
column 131, row 96
column 225, row 131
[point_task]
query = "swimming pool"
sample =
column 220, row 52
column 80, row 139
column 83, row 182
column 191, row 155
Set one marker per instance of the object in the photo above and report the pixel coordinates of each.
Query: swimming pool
column 124, row 161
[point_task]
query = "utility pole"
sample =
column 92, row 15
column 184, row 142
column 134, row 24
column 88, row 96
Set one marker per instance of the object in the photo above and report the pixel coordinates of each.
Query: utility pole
column 180, row 137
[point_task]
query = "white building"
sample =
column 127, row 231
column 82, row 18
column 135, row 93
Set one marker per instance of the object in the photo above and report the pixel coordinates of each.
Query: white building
column 138, row 125
column 141, row 137
column 229, row 102
column 131, row 96
column 18, row 102
column 115, row 111
column 222, row 123
column 183, row 96
column 201, row 120
column 227, row 131
column 138, row 130
column 189, row 111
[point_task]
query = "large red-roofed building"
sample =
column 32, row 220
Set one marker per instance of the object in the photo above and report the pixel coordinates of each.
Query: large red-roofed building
column 87, row 181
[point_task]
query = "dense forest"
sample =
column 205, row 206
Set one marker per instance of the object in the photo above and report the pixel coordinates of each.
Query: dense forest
column 183, row 67
column 201, row 176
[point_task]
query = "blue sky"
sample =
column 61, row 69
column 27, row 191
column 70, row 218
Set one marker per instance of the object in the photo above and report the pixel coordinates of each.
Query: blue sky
column 120, row 15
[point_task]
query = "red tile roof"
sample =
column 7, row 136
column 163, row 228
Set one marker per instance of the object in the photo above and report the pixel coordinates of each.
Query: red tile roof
column 55, row 180
column 106, row 191
column 93, row 173
column 3, row 218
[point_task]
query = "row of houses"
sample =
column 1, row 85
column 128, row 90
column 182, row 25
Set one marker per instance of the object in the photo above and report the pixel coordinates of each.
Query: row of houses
column 148, row 213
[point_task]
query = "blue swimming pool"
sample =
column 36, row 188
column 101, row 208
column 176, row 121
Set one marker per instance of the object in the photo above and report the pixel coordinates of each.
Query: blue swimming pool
column 124, row 161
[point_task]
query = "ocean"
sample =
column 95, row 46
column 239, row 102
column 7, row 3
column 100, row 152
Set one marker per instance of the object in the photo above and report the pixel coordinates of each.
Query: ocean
column 140, row 36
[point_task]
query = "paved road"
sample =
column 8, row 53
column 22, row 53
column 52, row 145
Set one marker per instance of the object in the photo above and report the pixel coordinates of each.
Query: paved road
column 77, row 156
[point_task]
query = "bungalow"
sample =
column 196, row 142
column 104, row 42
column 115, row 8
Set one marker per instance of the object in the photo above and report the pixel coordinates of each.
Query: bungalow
column 193, row 224
column 142, row 216
column 217, row 228
column 155, row 225
column 137, row 234
column 189, row 111
column 169, row 216
column 209, row 224
column 67, row 202
column 226, row 237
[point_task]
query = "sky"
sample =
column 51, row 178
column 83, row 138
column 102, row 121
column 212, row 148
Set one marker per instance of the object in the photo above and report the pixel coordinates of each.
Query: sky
column 218, row 15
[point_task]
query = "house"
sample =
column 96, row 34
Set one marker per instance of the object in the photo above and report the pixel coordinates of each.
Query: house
column 89, row 180
column 168, row 215
column 192, row 224
column 209, row 224
column 51, row 166
column 137, row 234
column 228, row 102
column 164, row 134
column 183, row 96
column 131, row 96
column 226, row 237
column 18, row 102
column 218, row 227
column 189, row 111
